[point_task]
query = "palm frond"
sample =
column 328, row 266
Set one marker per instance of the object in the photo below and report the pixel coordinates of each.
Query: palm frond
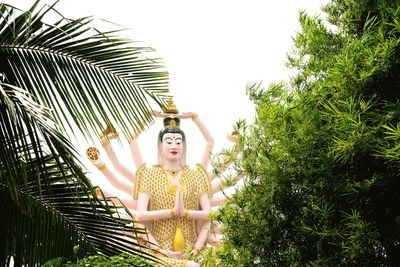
column 88, row 78
column 47, row 201
column 57, row 76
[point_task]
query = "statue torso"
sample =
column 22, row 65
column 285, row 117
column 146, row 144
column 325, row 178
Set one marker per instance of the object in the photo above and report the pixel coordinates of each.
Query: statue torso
column 155, row 181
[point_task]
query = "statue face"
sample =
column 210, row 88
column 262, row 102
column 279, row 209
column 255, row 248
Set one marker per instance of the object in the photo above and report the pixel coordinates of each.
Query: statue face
column 172, row 146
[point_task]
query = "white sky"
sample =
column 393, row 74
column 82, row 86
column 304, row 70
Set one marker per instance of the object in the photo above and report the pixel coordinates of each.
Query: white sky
column 211, row 50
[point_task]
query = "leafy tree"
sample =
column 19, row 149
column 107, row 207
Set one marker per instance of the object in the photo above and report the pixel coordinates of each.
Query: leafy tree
column 58, row 77
column 323, row 155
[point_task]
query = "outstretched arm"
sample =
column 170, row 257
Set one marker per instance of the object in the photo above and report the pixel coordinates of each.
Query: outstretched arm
column 108, row 134
column 217, row 185
column 126, row 173
column 205, row 160
column 228, row 158
column 135, row 151
column 93, row 155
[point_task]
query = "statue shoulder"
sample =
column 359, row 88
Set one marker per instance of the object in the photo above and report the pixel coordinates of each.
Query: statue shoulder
column 156, row 169
column 142, row 168
column 145, row 177
column 146, row 172
column 201, row 170
column 203, row 179
column 198, row 171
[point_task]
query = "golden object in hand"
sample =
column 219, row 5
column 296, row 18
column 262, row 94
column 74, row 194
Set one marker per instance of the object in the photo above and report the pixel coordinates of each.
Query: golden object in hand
column 92, row 154
column 195, row 115
column 232, row 136
column 109, row 133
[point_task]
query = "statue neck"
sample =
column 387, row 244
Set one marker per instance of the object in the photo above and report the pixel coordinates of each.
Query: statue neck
column 172, row 165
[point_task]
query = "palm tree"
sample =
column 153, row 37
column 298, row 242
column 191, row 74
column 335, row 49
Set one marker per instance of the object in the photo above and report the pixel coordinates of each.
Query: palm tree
column 58, row 77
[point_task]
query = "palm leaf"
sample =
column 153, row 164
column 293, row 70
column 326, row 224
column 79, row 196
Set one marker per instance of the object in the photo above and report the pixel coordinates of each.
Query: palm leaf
column 88, row 78
column 47, row 202
column 41, row 186
column 54, row 77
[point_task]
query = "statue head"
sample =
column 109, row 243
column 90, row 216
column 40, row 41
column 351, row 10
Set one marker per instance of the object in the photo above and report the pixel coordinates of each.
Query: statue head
column 171, row 142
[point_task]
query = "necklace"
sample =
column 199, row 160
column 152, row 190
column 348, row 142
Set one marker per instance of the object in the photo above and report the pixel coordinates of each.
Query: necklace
column 174, row 173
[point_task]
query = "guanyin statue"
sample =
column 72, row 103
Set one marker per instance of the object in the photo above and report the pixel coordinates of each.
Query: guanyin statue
column 172, row 200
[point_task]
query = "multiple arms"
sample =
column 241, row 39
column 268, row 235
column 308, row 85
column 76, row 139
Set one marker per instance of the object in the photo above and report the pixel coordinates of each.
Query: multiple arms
column 126, row 173
column 142, row 212
column 217, row 186
column 135, row 153
column 125, row 185
column 179, row 210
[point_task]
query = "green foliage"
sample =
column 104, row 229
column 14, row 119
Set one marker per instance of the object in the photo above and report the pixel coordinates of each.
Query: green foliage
column 122, row 260
column 323, row 157
column 59, row 75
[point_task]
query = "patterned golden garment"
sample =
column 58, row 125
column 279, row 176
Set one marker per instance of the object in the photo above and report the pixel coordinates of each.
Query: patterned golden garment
column 155, row 182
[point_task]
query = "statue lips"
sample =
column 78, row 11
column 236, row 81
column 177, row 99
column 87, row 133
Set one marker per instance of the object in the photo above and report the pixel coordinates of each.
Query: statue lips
column 173, row 152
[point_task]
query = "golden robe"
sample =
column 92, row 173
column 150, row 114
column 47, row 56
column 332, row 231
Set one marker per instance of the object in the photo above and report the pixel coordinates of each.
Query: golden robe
column 155, row 182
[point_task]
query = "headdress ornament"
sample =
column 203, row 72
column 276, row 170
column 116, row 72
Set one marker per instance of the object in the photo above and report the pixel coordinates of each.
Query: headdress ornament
column 171, row 108
column 171, row 121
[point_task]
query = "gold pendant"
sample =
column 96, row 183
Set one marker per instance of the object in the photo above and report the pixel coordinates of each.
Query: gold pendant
column 178, row 243
column 172, row 189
